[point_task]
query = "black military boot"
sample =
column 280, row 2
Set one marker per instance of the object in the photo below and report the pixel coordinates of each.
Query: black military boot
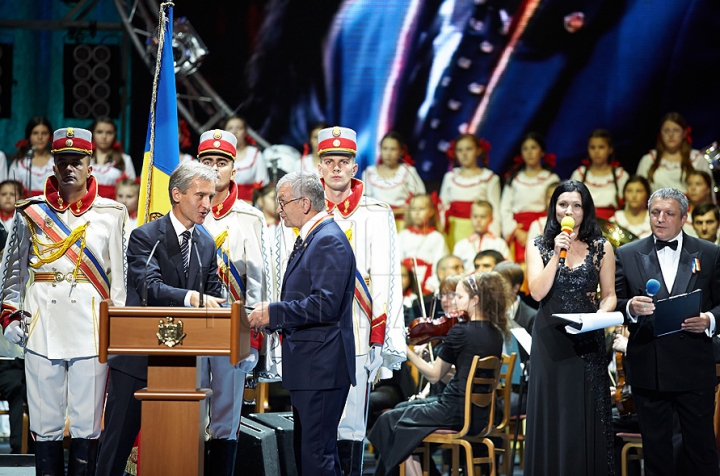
column 220, row 457
column 49, row 458
column 83, row 456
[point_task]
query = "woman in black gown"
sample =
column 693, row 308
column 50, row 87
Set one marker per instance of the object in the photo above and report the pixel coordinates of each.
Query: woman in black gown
column 398, row 432
column 569, row 422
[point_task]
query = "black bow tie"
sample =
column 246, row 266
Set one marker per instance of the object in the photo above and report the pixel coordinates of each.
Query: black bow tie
column 660, row 244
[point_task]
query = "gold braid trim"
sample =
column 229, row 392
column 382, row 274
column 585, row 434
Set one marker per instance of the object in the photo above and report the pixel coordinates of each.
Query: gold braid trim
column 224, row 272
column 220, row 239
column 53, row 251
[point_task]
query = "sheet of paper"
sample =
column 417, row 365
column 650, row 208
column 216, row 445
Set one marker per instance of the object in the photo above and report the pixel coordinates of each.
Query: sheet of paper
column 523, row 338
column 586, row 322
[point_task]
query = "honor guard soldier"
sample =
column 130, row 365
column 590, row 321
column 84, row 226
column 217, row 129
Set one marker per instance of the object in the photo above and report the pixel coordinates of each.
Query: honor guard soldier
column 378, row 322
column 74, row 242
column 239, row 231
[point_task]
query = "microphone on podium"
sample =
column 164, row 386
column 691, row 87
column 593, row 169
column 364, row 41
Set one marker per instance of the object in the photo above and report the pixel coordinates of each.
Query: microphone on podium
column 652, row 287
column 567, row 224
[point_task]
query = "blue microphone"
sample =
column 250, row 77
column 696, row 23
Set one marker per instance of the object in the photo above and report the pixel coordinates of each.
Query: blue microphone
column 652, row 287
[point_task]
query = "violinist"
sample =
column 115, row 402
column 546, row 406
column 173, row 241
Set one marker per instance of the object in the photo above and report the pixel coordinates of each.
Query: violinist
column 447, row 266
column 433, row 340
column 484, row 296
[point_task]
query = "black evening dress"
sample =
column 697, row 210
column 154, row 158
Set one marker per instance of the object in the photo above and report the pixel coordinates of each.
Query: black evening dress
column 569, row 420
column 398, row 432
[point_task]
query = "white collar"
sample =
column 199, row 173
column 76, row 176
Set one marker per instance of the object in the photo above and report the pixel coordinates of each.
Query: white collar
column 305, row 230
column 179, row 227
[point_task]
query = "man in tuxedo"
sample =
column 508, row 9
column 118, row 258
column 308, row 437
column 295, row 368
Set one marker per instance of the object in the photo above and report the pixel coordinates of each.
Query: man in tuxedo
column 674, row 373
column 315, row 316
column 171, row 277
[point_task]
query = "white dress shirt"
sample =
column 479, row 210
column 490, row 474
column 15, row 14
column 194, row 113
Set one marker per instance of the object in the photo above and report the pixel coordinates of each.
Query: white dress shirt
column 179, row 230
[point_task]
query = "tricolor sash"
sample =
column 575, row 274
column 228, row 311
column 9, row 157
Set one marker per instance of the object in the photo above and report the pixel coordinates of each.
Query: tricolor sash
column 45, row 218
column 229, row 273
column 362, row 295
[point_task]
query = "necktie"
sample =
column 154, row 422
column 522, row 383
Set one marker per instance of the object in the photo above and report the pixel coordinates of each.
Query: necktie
column 296, row 248
column 185, row 250
column 660, row 244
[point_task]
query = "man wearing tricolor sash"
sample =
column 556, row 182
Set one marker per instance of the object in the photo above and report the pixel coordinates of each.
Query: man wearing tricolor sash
column 65, row 254
column 377, row 311
column 243, row 263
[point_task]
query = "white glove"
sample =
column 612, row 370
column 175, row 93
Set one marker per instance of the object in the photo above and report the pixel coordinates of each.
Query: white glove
column 249, row 363
column 15, row 333
column 374, row 362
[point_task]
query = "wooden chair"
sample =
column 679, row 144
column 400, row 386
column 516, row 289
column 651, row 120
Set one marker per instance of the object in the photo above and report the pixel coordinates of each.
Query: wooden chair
column 504, row 392
column 25, row 427
column 633, row 441
column 479, row 392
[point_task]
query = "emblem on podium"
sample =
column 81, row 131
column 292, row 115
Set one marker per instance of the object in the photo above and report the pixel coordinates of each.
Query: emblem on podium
column 170, row 333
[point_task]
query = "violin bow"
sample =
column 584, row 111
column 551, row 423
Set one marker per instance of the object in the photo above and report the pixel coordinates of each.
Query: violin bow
column 417, row 283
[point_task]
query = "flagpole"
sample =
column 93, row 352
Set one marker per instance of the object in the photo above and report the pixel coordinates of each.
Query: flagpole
column 162, row 19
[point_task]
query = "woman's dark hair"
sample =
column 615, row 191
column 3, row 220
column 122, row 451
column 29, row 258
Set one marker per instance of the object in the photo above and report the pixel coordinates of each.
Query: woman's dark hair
column 31, row 124
column 642, row 181
column 540, row 140
column 114, row 155
column 493, row 292
column 589, row 229
column 685, row 148
column 318, row 125
column 396, row 136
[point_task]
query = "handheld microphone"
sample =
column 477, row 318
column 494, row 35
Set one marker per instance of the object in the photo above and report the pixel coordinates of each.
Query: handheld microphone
column 143, row 302
column 652, row 287
column 202, row 285
column 30, row 152
column 567, row 224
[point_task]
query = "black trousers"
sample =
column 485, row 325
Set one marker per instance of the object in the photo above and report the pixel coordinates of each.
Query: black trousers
column 316, row 416
column 695, row 411
column 122, row 423
column 12, row 389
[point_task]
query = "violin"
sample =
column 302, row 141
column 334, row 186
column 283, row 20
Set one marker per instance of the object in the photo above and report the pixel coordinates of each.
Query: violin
column 623, row 398
column 425, row 329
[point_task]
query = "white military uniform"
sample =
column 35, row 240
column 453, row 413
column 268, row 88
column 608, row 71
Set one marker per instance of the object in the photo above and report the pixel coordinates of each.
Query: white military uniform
column 61, row 363
column 247, row 246
column 370, row 228
column 238, row 230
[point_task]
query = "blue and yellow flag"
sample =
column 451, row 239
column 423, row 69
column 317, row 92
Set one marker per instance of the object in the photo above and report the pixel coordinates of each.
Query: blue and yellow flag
column 162, row 149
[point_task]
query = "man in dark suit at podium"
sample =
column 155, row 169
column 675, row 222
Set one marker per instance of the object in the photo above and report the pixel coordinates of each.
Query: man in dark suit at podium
column 315, row 315
column 171, row 277
column 674, row 373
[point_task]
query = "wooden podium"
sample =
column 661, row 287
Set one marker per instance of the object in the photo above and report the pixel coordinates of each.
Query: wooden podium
column 173, row 404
